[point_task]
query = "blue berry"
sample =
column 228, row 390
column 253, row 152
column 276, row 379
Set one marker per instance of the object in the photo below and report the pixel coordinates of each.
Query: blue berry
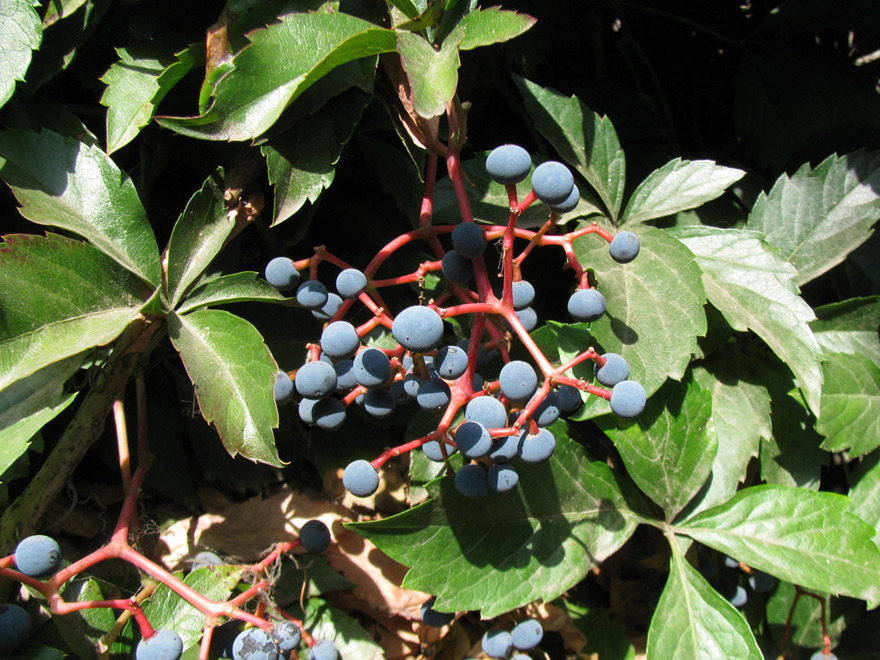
column 471, row 482
column 37, row 556
column 315, row 537
column 569, row 398
column 283, row 391
column 473, row 440
column 451, row 362
column 614, row 371
column 468, row 239
column 203, row 559
column 508, row 164
column 518, row 380
column 315, row 380
column 434, row 452
column 523, row 294
column 624, row 247
column 761, row 582
column 433, row 618
column 345, row 380
column 570, row 203
column 586, row 305
column 486, row 410
column 497, row 643
column 457, row 268
column 379, row 403
column 481, row 352
column 548, row 410
column 434, row 394
column 552, row 182
column 360, row 478
column 15, row 627
column 281, row 273
column 504, row 449
column 328, row 309
column 821, row 655
column 340, row 340
column 223, row 638
column 311, row 294
column 329, row 414
column 323, row 650
column 372, row 368
column 528, row 317
column 418, row 329
column 527, row 635
column 628, row 399
column 502, row 478
column 351, row 283
column 739, row 598
column 287, row 635
column 306, row 409
column 538, row 447
column 164, row 645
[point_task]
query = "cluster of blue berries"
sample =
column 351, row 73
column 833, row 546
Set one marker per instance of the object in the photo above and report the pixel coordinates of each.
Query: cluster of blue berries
column 498, row 643
column 505, row 416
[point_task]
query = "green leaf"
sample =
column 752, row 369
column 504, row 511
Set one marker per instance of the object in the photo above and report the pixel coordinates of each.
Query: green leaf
column 817, row 217
column 238, row 287
column 324, row 621
column 28, row 404
column 864, row 496
column 849, row 327
column 64, row 183
column 232, row 371
column 59, row 297
column 198, row 236
column 302, row 161
column 677, row 186
column 484, row 27
column 136, row 84
column 432, row 74
column 799, row 536
column 82, row 630
column 669, row 449
column 806, row 625
column 410, row 10
column 754, row 290
column 282, row 61
column 694, row 622
column 508, row 549
column 850, row 416
column 582, row 138
column 654, row 331
column 20, row 33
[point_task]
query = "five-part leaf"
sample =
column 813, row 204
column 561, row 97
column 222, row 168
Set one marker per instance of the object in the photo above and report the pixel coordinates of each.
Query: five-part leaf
column 62, row 182
column 238, row 287
column 797, row 535
column 232, row 371
column 59, row 297
column 818, row 216
column 20, row 33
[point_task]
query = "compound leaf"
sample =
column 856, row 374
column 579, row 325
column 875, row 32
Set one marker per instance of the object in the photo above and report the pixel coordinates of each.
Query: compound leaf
column 59, row 297
column 818, row 216
column 850, row 416
column 20, row 34
column 432, row 74
column 237, row 287
column 484, row 27
column 754, row 290
column 669, row 449
column 582, row 138
column 849, row 327
column 797, row 535
column 677, row 186
column 282, row 61
column 62, row 182
column 233, row 371
column 505, row 550
column 694, row 622
column 198, row 235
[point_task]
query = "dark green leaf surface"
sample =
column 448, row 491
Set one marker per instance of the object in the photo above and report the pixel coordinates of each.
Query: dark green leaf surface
column 677, row 186
column 484, row 27
column 324, row 621
column 135, row 86
column 802, row 537
column 669, row 449
column 850, row 416
column 238, row 287
column 655, row 305
column 818, row 216
column 282, row 61
column 508, row 549
column 582, row 138
column 233, row 372
column 59, row 297
column 694, row 622
column 20, row 33
column 864, row 496
column 850, row 327
column 806, row 621
column 754, row 290
column 302, row 161
column 432, row 74
column 83, row 630
column 198, row 236
column 65, row 183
